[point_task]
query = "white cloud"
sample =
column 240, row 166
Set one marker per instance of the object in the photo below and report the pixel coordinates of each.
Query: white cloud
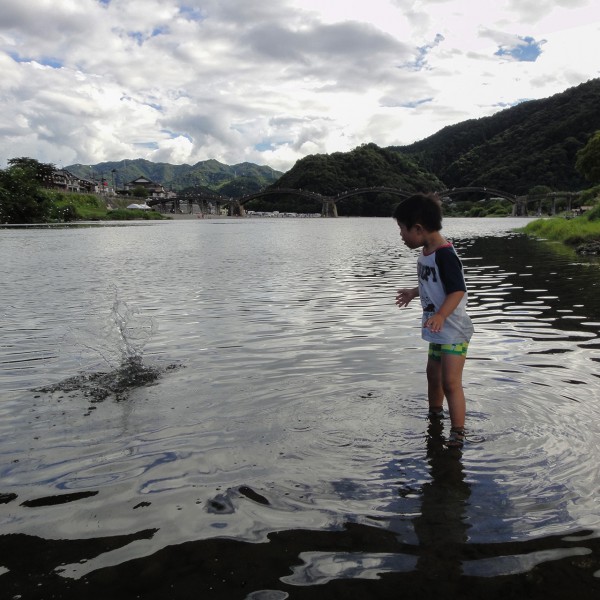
column 87, row 81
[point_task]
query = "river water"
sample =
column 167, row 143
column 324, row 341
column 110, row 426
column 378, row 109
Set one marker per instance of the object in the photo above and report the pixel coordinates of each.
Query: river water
column 236, row 408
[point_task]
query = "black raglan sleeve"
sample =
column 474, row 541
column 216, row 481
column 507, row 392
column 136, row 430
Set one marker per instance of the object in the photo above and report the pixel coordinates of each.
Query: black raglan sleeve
column 450, row 270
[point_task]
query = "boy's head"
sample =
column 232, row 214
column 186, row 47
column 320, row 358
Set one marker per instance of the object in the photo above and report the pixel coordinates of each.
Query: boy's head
column 420, row 209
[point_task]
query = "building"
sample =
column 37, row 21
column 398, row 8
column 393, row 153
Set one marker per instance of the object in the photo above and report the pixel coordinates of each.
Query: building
column 65, row 181
column 154, row 190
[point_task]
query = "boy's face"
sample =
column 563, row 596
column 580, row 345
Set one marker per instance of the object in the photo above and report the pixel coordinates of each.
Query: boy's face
column 413, row 237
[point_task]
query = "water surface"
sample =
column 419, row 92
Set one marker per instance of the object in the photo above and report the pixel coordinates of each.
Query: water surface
column 281, row 450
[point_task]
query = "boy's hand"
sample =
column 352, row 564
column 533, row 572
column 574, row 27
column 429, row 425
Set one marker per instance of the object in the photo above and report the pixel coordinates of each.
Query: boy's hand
column 405, row 295
column 435, row 323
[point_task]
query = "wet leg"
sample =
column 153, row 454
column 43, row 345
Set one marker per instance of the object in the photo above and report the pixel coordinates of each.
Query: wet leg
column 435, row 391
column 451, row 368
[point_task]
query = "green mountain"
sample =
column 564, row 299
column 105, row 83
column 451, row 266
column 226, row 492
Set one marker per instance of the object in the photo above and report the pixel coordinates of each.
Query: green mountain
column 364, row 167
column 533, row 143
column 210, row 174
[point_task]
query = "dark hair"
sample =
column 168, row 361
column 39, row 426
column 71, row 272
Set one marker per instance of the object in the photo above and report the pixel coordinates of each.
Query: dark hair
column 424, row 209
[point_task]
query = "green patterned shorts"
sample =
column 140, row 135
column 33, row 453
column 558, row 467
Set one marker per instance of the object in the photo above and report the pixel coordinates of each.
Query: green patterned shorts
column 436, row 350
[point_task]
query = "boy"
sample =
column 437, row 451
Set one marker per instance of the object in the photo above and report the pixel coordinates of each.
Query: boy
column 443, row 293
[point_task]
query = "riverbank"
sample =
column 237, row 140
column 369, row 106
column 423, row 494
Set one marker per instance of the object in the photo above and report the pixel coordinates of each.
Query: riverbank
column 581, row 233
column 74, row 207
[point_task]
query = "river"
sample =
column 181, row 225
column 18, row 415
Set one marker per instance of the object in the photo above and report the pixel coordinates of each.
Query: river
column 235, row 408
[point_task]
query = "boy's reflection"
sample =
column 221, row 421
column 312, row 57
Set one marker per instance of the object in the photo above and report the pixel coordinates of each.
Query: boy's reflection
column 441, row 526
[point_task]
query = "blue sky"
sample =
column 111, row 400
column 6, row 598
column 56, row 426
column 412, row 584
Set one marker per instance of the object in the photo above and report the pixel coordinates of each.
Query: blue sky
column 181, row 81
column 526, row 50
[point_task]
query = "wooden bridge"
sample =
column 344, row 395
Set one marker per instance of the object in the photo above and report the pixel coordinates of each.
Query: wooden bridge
column 235, row 206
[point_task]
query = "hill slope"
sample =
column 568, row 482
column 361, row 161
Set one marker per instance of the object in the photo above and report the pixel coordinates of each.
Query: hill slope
column 531, row 144
column 364, row 167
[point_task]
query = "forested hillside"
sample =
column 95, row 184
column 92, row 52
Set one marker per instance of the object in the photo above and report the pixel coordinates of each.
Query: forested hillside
column 364, row 167
column 531, row 144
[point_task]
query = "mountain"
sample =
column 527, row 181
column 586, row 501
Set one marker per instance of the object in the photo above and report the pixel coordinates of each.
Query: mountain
column 211, row 174
column 533, row 143
column 364, row 167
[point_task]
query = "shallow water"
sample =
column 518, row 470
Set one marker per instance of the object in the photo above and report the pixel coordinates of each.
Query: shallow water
column 286, row 422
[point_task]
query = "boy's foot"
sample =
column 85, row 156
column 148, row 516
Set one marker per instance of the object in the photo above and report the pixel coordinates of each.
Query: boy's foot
column 435, row 414
column 456, row 438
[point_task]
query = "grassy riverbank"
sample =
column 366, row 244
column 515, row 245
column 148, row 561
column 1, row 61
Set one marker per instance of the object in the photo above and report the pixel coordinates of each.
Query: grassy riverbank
column 88, row 207
column 578, row 231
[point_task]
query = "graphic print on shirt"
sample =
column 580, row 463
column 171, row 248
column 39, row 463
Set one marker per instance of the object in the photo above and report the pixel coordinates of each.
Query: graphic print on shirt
column 428, row 305
column 425, row 271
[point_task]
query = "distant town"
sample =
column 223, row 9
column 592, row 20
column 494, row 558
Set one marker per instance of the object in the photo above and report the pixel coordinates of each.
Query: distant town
column 65, row 181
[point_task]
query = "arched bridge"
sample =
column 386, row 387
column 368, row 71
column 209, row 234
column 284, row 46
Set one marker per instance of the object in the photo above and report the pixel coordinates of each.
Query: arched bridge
column 489, row 192
column 235, row 205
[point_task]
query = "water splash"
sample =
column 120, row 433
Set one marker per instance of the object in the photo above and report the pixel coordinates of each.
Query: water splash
column 118, row 383
column 133, row 328
column 129, row 333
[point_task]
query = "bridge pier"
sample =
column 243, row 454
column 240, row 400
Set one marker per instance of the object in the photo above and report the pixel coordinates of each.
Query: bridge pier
column 329, row 208
column 520, row 207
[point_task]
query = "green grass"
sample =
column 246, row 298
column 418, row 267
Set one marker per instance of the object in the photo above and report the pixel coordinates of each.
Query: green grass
column 68, row 207
column 572, row 232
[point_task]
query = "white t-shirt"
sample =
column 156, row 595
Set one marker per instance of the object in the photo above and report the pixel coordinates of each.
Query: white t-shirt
column 441, row 273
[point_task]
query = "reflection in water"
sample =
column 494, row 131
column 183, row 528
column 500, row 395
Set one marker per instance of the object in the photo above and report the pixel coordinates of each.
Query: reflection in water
column 442, row 526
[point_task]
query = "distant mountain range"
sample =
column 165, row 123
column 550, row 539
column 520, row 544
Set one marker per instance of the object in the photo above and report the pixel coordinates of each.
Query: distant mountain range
column 209, row 174
column 534, row 143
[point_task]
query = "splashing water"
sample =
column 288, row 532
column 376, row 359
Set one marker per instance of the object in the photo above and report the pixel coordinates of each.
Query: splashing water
column 133, row 331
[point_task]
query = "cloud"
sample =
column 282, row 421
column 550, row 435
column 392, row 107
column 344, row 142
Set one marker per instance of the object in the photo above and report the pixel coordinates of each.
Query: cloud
column 188, row 80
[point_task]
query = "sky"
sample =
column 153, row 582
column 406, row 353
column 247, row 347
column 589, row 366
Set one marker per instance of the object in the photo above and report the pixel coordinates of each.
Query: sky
column 272, row 81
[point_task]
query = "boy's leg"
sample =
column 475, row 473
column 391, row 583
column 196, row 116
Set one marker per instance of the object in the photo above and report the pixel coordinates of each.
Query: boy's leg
column 435, row 391
column 451, row 368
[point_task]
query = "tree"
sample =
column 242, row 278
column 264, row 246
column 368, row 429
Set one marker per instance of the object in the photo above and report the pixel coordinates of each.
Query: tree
column 140, row 192
column 588, row 159
column 539, row 190
column 22, row 199
column 43, row 173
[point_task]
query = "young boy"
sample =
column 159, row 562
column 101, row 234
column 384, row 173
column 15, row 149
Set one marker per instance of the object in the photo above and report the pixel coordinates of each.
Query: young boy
column 443, row 293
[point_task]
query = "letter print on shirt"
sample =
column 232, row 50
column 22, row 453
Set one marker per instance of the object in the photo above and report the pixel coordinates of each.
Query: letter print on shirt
column 425, row 271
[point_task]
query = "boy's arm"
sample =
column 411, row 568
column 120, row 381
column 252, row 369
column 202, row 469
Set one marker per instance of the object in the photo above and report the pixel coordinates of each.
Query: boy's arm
column 436, row 322
column 405, row 295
